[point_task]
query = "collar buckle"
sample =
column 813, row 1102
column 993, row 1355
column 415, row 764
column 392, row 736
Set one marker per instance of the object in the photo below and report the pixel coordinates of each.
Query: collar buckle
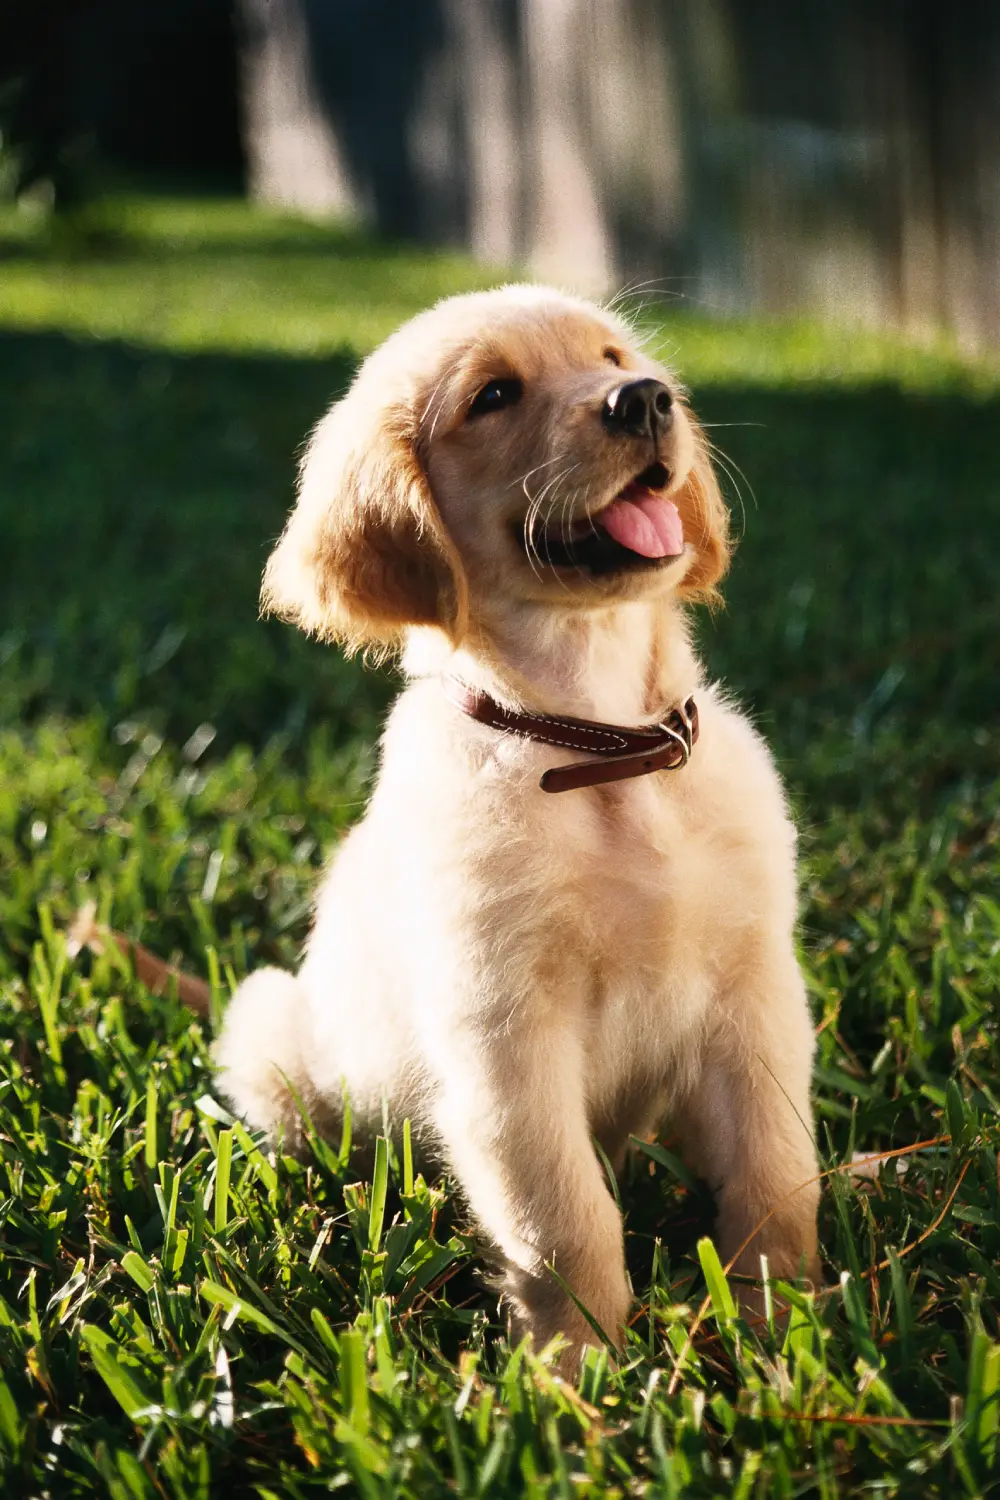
column 685, row 735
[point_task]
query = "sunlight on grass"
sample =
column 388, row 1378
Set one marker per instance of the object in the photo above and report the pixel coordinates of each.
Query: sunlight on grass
column 220, row 277
column 217, row 275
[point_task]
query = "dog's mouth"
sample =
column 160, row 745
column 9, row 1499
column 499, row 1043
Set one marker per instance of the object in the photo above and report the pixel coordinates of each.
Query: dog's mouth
column 638, row 528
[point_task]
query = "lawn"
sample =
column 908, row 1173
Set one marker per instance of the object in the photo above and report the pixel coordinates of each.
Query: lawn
column 182, row 1313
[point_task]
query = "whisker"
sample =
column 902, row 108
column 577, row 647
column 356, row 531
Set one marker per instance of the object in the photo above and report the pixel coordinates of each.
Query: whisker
column 429, row 404
column 534, row 511
column 590, row 520
column 730, row 464
column 437, row 416
column 651, row 286
column 564, row 517
column 565, row 532
column 430, row 398
column 530, row 550
column 555, row 501
column 523, row 482
column 731, row 469
column 658, row 338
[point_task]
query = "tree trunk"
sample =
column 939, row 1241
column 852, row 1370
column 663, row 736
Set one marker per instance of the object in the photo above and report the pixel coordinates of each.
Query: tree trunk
column 293, row 157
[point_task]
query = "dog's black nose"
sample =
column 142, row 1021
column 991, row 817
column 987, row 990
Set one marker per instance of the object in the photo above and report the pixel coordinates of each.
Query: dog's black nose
column 642, row 408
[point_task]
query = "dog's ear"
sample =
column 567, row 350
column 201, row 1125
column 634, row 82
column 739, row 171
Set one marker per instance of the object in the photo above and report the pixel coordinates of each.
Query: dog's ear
column 706, row 523
column 365, row 553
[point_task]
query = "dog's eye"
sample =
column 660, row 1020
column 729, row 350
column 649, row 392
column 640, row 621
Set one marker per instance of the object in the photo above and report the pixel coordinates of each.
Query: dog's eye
column 495, row 396
column 612, row 356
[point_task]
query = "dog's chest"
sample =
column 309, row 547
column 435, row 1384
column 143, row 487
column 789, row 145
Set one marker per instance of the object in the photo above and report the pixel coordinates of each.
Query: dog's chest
column 640, row 880
column 641, row 861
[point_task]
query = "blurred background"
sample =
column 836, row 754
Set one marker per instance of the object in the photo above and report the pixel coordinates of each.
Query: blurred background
column 837, row 157
column 210, row 210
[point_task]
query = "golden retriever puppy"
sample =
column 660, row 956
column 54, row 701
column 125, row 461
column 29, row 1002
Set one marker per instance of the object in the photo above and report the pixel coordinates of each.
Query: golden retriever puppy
column 520, row 499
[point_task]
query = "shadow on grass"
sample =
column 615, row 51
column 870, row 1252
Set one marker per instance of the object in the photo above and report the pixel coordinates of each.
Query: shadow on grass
column 141, row 491
column 140, row 494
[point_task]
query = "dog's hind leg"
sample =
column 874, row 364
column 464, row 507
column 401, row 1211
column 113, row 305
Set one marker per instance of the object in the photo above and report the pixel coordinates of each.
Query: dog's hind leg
column 261, row 1055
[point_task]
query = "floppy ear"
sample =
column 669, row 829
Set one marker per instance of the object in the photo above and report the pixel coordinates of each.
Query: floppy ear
column 365, row 553
column 706, row 509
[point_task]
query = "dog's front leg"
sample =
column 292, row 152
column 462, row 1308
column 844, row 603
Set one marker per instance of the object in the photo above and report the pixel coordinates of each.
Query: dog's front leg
column 512, row 1120
column 747, row 1126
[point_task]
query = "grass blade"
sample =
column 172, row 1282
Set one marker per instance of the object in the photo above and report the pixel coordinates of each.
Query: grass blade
column 380, row 1184
column 223, row 1166
column 723, row 1303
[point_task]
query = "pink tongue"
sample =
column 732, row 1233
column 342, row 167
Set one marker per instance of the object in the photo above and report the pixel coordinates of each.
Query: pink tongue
column 647, row 524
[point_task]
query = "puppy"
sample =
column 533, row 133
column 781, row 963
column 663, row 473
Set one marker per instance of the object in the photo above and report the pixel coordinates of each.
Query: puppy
column 516, row 496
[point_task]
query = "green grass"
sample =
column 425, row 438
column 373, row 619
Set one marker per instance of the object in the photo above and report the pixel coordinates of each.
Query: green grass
column 183, row 1315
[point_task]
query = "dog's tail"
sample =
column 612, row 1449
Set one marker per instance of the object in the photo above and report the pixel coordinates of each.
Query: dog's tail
column 262, row 1048
column 156, row 974
column 262, row 1054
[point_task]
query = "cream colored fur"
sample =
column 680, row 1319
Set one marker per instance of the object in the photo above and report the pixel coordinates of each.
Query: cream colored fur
column 520, row 973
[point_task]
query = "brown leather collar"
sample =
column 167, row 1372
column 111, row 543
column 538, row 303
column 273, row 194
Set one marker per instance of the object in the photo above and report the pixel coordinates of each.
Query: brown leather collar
column 622, row 752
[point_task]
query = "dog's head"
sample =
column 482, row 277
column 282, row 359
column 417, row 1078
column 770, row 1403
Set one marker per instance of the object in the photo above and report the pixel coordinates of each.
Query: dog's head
column 504, row 446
